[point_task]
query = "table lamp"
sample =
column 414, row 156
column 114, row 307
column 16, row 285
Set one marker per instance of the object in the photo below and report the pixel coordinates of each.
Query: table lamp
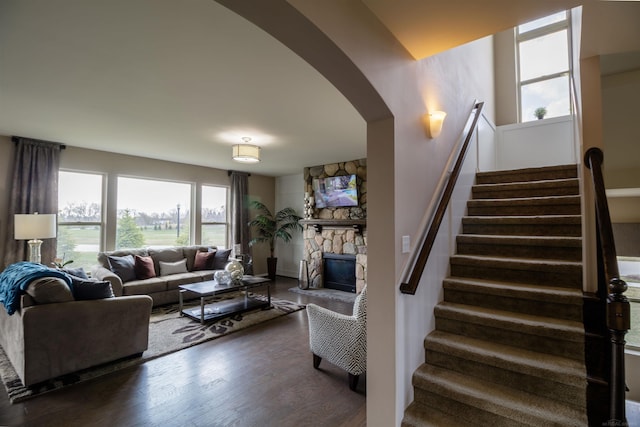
column 34, row 227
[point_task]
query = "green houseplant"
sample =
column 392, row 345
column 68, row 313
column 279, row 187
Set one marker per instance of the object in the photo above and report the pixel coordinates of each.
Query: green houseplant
column 269, row 228
column 540, row 113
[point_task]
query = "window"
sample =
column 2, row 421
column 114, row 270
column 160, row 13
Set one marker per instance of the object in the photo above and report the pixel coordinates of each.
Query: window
column 79, row 218
column 215, row 225
column 153, row 213
column 544, row 67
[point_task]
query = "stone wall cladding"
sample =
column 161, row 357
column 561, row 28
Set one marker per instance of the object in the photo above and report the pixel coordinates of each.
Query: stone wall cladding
column 357, row 167
column 337, row 240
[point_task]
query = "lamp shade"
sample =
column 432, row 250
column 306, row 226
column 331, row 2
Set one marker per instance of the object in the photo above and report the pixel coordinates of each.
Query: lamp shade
column 436, row 119
column 246, row 153
column 34, row 226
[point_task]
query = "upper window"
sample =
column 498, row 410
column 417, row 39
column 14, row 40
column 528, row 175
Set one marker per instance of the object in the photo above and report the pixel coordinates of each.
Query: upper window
column 79, row 218
column 544, row 67
column 153, row 213
column 215, row 226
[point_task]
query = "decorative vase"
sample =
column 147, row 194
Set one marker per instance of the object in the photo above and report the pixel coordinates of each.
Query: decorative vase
column 303, row 275
column 223, row 277
column 235, row 269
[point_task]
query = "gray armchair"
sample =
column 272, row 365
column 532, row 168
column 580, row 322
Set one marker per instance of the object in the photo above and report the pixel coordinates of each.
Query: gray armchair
column 340, row 339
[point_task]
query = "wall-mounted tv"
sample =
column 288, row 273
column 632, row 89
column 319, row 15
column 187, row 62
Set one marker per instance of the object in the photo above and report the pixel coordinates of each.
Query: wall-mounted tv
column 336, row 191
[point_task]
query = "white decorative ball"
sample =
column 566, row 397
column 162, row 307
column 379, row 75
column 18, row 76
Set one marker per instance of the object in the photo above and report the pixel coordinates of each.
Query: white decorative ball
column 235, row 268
column 223, row 277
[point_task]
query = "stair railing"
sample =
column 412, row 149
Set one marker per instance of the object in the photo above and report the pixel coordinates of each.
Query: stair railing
column 618, row 310
column 416, row 265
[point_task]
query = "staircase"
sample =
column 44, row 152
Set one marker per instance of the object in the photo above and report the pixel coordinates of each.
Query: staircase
column 508, row 348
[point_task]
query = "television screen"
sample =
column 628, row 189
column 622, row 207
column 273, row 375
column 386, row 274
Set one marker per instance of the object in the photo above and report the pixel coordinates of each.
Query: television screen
column 336, row 191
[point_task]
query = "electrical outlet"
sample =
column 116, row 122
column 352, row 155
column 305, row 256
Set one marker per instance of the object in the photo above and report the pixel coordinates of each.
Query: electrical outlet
column 406, row 244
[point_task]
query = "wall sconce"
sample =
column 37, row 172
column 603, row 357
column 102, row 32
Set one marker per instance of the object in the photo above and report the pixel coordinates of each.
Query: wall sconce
column 246, row 153
column 436, row 119
column 34, row 227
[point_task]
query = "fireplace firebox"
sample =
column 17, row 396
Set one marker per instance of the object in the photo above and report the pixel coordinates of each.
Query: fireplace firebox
column 339, row 272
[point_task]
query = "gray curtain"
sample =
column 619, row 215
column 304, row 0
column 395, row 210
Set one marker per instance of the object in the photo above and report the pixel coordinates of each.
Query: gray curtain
column 240, row 233
column 34, row 189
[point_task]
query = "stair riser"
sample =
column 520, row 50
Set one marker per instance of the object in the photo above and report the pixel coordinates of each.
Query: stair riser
column 522, row 210
column 461, row 413
column 498, row 229
column 571, row 395
column 531, row 175
column 515, row 337
column 482, row 193
column 526, row 306
column 567, row 278
column 521, row 251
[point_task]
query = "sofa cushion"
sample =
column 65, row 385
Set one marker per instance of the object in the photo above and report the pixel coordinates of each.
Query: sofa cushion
column 145, row 287
column 123, row 266
column 87, row 289
column 221, row 259
column 165, row 255
column 48, row 290
column 103, row 257
column 176, row 280
column 190, row 253
column 203, row 260
column 167, row 268
column 144, row 267
column 78, row 272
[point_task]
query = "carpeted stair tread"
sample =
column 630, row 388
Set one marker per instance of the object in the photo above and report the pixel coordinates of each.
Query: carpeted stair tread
column 543, row 247
column 543, row 241
column 568, row 186
column 549, row 205
column 418, row 415
column 532, row 363
column 524, row 323
column 516, row 290
column 503, row 402
column 528, row 174
column 526, row 219
column 518, row 263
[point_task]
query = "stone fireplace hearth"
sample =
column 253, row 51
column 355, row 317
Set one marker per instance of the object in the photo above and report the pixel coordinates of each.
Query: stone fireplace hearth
column 335, row 237
column 339, row 231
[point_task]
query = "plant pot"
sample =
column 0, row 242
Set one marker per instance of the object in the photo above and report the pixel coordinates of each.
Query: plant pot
column 271, row 268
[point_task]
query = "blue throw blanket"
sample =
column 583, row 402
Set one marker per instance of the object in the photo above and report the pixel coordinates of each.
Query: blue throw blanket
column 16, row 278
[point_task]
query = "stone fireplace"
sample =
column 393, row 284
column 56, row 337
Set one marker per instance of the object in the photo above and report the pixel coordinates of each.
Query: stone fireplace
column 337, row 231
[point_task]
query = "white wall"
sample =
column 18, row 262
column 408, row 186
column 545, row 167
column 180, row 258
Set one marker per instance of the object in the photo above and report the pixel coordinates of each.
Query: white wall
column 290, row 193
column 538, row 143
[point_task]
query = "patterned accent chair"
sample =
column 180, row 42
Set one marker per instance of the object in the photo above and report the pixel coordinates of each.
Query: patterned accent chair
column 340, row 339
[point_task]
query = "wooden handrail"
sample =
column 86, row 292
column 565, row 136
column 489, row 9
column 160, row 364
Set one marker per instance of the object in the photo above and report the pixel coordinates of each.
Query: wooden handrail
column 410, row 286
column 618, row 310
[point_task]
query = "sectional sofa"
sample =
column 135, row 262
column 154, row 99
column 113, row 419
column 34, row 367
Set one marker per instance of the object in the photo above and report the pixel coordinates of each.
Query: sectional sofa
column 158, row 272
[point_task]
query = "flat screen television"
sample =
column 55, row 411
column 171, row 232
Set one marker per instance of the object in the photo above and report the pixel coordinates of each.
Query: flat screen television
column 336, row 191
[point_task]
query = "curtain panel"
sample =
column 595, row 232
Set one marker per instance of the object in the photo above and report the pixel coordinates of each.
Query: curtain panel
column 240, row 232
column 34, row 188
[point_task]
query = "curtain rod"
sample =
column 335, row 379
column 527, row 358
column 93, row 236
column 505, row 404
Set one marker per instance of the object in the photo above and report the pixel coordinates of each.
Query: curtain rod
column 230, row 172
column 16, row 139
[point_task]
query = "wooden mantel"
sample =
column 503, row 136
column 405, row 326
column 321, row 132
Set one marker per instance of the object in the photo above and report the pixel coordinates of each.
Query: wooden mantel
column 319, row 224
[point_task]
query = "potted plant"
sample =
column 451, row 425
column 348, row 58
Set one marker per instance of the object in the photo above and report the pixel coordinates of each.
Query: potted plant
column 270, row 227
column 540, row 113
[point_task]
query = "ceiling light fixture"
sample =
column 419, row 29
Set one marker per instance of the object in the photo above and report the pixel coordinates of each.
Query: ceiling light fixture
column 246, row 153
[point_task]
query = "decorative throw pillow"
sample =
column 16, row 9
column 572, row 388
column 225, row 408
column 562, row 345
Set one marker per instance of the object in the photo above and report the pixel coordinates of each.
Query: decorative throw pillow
column 48, row 290
column 167, row 268
column 203, row 260
column 144, row 267
column 123, row 266
column 78, row 272
column 91, row 289
column 221, row 259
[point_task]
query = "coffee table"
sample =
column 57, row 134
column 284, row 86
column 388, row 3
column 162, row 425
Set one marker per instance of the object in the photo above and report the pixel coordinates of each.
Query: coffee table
column 218, row 310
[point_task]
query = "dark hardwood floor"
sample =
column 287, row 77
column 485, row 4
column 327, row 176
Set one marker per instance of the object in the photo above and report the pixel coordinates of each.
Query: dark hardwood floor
column 260, row 376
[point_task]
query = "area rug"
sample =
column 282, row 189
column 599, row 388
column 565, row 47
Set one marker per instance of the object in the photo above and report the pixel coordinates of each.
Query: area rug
column 325, row 293
column 168, row 333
